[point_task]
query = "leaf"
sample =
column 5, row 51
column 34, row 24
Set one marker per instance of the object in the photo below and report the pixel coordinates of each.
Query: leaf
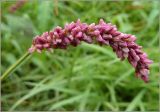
column 23, row 23
column 45, row 14
column 135, row 101
column 123, row 76
column 67, row 101
column 100, row 49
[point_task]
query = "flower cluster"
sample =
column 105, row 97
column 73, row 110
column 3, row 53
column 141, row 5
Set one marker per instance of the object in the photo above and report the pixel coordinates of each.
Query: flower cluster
column 104, row 33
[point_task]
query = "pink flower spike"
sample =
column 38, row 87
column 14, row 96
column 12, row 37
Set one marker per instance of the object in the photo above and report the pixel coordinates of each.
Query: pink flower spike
column 104, row 33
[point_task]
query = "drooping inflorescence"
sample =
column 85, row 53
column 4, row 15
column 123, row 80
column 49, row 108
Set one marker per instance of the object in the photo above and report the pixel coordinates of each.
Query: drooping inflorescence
column 104, row 33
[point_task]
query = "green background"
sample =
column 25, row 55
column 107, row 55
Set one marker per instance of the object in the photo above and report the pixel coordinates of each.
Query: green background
column 88, row 77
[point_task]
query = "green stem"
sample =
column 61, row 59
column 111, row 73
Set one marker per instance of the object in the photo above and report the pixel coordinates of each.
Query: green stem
column 14, row 66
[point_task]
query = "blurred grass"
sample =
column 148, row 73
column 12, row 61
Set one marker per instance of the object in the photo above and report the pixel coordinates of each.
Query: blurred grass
column 88, row 77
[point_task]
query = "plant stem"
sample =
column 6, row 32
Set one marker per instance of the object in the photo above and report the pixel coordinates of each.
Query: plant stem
column 14, row 66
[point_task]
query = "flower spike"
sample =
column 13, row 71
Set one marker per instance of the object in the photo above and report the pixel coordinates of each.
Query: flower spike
column 104, row 33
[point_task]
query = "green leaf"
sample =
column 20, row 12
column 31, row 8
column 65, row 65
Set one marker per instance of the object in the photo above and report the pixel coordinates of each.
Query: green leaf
column 135, row 101
column 45, row 14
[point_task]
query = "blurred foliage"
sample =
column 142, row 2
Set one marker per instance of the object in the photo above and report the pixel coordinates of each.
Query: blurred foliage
column 88, row 77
